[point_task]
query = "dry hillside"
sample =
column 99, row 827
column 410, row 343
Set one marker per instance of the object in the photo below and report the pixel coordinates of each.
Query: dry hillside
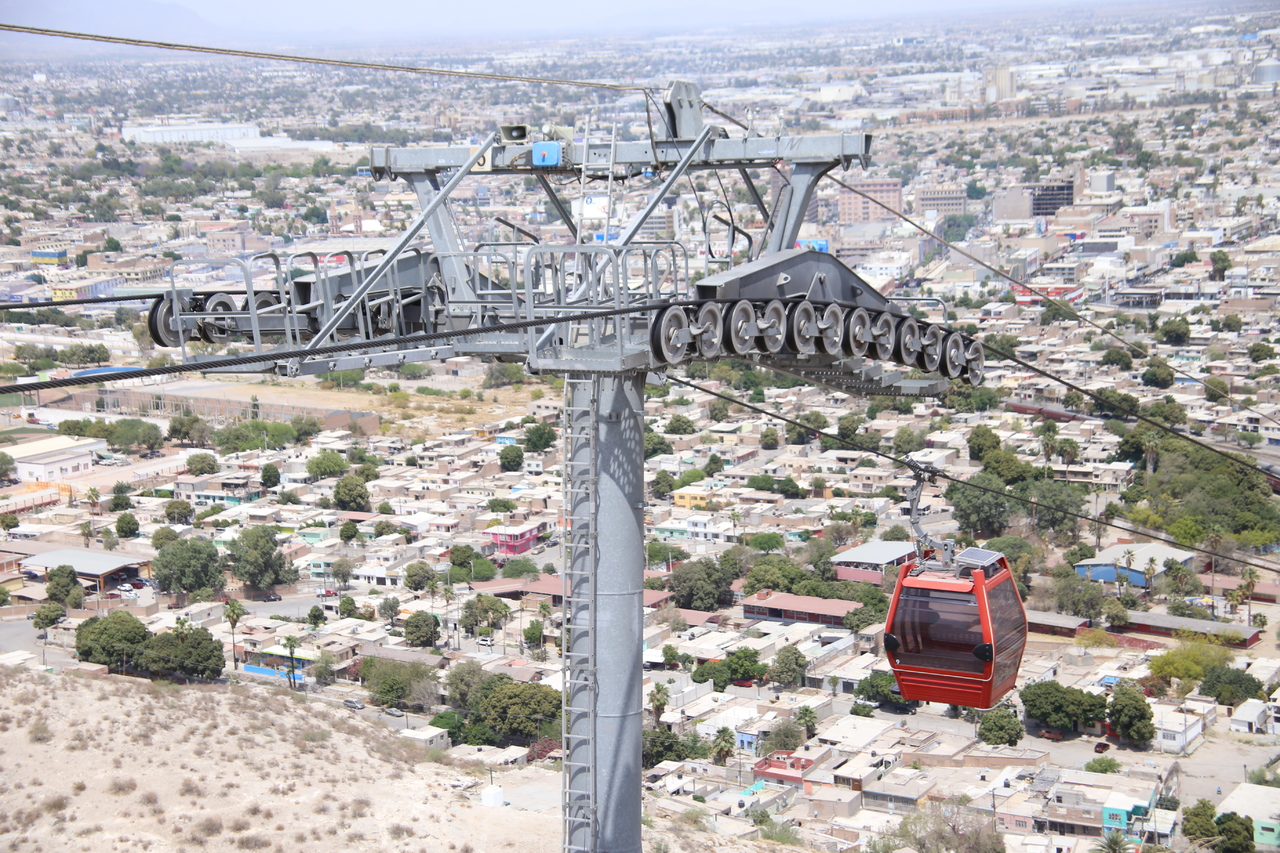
column 115, row 764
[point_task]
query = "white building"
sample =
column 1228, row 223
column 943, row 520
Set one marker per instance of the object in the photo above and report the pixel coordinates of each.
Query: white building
column 55, row 458
column 156, row 133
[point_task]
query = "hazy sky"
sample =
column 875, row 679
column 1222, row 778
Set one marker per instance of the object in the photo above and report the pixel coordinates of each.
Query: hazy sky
column 400, row 21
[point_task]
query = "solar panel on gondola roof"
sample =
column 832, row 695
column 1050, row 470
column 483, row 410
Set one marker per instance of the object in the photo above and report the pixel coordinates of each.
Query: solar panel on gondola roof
column 979, row 557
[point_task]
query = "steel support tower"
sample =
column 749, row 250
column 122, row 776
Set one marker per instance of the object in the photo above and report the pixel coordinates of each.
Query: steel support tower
column 785, row 308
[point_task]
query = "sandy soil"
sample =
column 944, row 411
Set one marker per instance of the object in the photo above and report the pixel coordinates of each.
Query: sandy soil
column 112, row 764
column 118, row 765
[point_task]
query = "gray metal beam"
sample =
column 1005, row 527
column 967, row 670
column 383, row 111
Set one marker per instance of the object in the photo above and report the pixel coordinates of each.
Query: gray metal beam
column 390, row 258
column 634, row 226
column 727, row 152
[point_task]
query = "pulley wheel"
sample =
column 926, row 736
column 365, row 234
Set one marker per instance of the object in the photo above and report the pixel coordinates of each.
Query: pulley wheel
column 832, row 328
column 212, row 330
column 669, row 342
column 801, row 320
column 953, row 355
column 883, row 339
column 907, row 352
column 773, row 327
column 710, row 337
column 160, row 323
column 740, row 319
column 975, row 363
column 858, row 333
column 931, row 348
column 263, row 299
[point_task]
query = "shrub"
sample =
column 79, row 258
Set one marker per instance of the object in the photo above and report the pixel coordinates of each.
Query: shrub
column 122, row 786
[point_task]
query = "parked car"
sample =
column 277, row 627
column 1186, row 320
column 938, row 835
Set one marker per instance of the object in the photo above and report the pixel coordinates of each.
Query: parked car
column 353, row 704
column 138, row 583
column 272, row 597
column 393, row 712
column 1051, row 734
column 174, row 605
column 112, row 595
column 743, row 682
column 484, row 641
column 30, row 575
column 1101, row 746
column 125, row 587
column 326, row 593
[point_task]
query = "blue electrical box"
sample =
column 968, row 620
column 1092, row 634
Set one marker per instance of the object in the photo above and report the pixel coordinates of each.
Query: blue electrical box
column 546, row 154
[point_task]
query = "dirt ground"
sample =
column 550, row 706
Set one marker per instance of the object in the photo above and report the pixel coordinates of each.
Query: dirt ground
column 119, row 765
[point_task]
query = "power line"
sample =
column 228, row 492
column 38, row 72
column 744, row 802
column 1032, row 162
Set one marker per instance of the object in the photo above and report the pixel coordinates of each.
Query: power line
column 963, row 483
column 311, row 60
column 1058, row 303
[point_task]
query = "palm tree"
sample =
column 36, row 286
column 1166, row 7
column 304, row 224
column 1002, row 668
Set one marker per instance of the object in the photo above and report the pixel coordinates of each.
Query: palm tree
column 291, row 643
column 433, row 586
column 94, row 497
column 1069, row 450
column 1248, row 582
column 1214, row 536
column 723, row 744
column 1113, row 841
column 86, row 530
column 805, row 716
column 1149, row 573
column 1150, row 443
column 659, row 696
column 1128, row 566
column 233, row 612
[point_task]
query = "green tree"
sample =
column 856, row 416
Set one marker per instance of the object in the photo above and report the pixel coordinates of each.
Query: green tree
column 1197, row 820
column 1131, row 716
column 789, row 666
column 807, row 719
column 1221, row 263
column 178, row 512
column 977, row 511
column 659, row 696
column 347, row 607
column 254, row 557
column 723, row 744
column 126, row 526
column 1000, row 726
column 348, row 531
column 1230, row 686
column 291, row 643
column 1261, row 352
column 521, row 710
column 766, row 542
column 655, row 445
column 680, row 425
column 1118, row 357
column 511, row 458
column 897, row 533
column 316, row 617
column 786, row 735
column 326, row 464
column 538, row 437
column 769, row 438
column 112, row 639
column 876, row 688
column 62, row 580
column 188, row 565
column 417, row 574
column 1158, row 375
column 200, row 464
column 389, row 609
column 906, row 440
column 1103, row 764
column 270, row 476
column 188, row 651
column 351, row 495
column 663, row 484
column 1113, row 840
column 1062, row 707
column 422, row 629
column 1216, row 389
column 341, row 570
column 982, row 441
column 1236, row 832
column 48, row 614
column 163, row 536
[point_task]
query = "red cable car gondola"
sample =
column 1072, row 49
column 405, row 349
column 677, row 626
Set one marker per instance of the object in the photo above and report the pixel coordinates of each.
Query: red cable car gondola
column 956, row 629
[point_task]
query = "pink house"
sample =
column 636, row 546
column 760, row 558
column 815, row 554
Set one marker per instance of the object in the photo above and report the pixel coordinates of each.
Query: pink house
column 512, row 540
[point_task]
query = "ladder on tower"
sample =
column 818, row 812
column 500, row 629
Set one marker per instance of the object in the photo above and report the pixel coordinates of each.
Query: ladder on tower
column 578, row 741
